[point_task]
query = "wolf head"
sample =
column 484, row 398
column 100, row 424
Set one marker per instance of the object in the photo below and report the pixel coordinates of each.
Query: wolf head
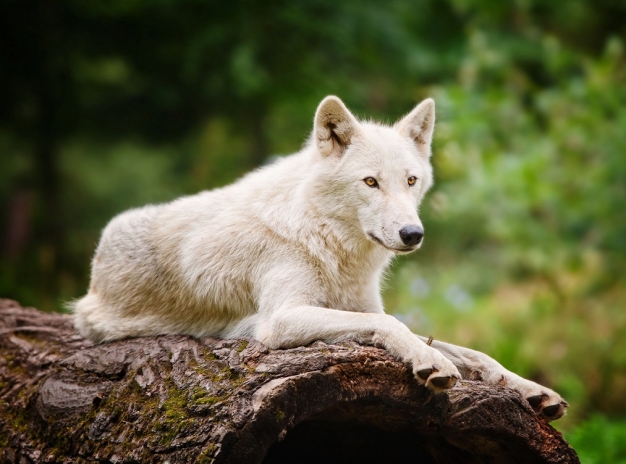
column 374, row 176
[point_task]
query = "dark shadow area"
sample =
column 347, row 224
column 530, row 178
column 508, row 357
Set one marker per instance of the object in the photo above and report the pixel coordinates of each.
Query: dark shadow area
column 363, row 432
column 319, row 441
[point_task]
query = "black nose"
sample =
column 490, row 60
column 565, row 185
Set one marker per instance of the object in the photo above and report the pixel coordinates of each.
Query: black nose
column 411, row 235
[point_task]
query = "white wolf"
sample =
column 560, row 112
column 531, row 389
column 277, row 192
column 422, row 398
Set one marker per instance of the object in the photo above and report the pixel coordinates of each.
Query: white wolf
column 289, row 254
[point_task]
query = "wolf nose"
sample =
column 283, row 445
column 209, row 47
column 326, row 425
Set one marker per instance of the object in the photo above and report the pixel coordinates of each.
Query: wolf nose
column 411, row 235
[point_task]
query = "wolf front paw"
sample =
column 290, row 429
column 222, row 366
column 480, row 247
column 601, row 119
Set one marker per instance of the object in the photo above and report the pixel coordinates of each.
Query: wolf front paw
column 548, row 405
column 436, row 372
column 545, row 402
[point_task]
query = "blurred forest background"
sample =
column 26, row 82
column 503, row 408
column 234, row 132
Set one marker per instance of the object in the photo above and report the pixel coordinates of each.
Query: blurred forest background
column 107, row 105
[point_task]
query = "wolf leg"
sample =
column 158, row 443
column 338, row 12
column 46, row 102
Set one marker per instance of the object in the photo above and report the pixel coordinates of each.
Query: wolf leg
column 301, row 325
column 475, row 365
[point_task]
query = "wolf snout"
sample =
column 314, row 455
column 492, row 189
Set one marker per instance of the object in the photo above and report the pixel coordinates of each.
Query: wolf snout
column 411, row 235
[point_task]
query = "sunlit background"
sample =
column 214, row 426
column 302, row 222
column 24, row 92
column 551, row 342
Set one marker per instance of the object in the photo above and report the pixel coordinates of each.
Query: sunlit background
column 105, row 105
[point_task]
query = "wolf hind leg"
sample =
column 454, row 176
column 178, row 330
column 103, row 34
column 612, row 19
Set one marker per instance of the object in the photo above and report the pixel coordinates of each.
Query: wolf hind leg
column 88, row 312
column 100, row 322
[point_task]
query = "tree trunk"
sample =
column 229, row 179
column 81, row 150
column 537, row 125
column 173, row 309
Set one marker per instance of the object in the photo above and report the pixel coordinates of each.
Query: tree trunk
column 181, row 399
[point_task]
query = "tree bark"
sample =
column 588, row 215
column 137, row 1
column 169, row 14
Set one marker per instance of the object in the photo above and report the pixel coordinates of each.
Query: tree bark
column 180, row 399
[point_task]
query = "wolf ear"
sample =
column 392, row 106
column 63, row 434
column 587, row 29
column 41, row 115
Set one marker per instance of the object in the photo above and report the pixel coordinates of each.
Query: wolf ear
column 334, row 127
column 419, row 124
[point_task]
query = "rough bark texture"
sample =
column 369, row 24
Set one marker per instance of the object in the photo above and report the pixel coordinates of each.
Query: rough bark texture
column 181, row 399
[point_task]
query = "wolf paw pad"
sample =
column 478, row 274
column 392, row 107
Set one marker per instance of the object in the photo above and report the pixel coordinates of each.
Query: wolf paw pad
column 548, row 406
column 438, row 376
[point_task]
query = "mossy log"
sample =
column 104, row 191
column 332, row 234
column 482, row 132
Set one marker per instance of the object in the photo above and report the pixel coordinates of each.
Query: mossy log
column 179, row 399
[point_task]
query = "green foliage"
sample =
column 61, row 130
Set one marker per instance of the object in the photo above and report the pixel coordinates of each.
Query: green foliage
column 528, row 222
column 600, row 440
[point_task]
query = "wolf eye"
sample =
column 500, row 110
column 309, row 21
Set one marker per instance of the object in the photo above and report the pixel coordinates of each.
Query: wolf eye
column 370, row 182
column 411, row 180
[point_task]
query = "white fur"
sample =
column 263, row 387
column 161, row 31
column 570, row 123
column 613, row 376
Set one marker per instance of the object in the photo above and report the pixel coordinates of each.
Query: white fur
column 291, row 253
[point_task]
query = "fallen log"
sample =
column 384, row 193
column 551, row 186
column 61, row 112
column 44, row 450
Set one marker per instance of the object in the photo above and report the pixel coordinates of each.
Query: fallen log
column 178, row 399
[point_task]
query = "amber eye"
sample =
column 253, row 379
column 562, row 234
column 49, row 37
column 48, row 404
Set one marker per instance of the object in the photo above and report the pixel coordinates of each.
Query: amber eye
column 370, row 182
column 411, row 180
